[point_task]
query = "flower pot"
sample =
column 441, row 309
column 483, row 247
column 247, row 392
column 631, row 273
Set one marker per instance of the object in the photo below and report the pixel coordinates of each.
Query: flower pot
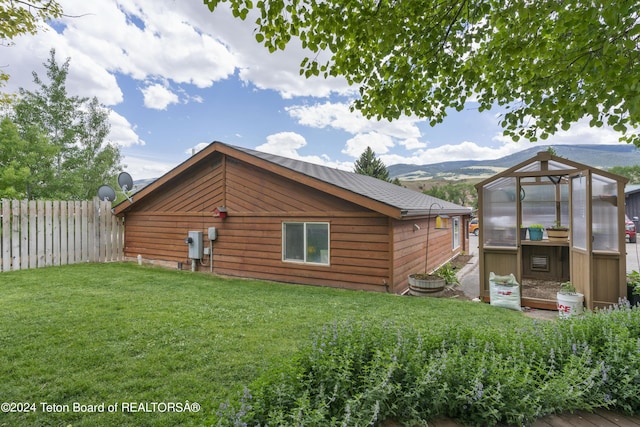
column 535, row 233
column 420, row 284
column 557, row 235
column 633, row 299
column 523, row 233
column 569, row 304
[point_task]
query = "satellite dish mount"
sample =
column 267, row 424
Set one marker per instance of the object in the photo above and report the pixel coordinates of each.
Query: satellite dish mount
column 126, row 184
column 107, row 193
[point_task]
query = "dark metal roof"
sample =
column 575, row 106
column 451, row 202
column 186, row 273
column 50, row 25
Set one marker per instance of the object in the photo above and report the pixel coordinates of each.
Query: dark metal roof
column 409, row 202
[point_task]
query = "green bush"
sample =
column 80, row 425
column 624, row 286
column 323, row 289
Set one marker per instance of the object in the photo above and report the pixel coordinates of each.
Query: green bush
column 361, row 374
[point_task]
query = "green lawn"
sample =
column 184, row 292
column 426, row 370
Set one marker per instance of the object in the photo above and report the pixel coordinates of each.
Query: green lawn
column 118, row 333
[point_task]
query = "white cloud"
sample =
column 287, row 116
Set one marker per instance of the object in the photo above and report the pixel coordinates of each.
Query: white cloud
column 199, row 147
column 464, row 151
column 158, row 97
column 287, row 144
column 338, row 116
column 144, row 166
column 579, row 133
column 122, row 133
column 378, row 142
column 412, row 144
column 381, row 135
column 284, row 144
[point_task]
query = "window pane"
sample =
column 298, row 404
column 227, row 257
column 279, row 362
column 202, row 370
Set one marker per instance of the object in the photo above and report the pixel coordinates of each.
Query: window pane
column 318, row 243
column 499, row 213
column 579, row 208
column 456, row 232
column 604, row 213
column 294, row 241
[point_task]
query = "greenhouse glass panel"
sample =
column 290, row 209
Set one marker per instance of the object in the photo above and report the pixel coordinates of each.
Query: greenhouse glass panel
column 579, row 206
column 499, row 215
column 604, row 214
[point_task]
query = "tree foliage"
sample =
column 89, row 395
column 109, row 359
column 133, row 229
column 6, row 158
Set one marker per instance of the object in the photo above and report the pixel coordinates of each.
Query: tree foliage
column 22, row 17
column 19, row 17
column 460, row 193
column 25, row 161
column 631, row 172
column 548, row 63
column 66, row 134
column 369, row 164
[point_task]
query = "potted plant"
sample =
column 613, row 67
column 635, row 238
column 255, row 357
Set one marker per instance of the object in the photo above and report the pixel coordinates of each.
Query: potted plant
column 448, row 273
column 523, row 232
column 535, row 231
column 557, row 231
column 570, row 302
column 421, row 283
column 633, row 287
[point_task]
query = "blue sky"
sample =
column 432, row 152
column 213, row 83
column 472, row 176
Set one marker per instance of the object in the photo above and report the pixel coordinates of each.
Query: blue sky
column 178, row 77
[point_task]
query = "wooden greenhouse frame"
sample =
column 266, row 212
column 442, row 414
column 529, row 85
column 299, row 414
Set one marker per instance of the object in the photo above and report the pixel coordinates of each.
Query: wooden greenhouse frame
column 547, row 189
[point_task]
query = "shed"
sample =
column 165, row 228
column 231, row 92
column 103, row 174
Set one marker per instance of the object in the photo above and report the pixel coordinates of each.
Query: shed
column 632, row 200
column 290, row 221
column 544, row 190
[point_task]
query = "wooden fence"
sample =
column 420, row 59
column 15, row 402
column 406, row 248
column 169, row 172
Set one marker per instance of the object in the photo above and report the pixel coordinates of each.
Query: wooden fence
column 36, row 234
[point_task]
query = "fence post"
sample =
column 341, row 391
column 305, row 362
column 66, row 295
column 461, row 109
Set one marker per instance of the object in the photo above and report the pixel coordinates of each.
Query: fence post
column 6, row 235
column 33, row 234
column 48, row 232
column 64, row 233
column 40, row 262
column 24, row 234
column 15, row 235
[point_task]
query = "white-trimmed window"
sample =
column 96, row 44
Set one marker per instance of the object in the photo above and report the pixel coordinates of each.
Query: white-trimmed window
column 456, row 232
column 305, row 242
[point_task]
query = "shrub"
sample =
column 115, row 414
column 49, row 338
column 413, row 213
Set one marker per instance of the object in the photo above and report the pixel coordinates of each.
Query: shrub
column 361, row 374
column 448, row 272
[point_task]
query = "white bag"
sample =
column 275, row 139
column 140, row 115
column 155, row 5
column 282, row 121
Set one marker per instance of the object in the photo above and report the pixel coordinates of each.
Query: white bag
column 504, row 291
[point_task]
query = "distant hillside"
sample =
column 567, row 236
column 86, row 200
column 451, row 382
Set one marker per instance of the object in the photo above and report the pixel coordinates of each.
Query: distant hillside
column 599, row 156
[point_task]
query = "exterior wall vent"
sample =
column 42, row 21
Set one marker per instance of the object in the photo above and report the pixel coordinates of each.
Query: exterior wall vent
column 539, row 262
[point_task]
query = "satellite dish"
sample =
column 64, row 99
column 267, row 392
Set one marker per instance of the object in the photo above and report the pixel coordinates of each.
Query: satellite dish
column 106, row 193
column 125, row 181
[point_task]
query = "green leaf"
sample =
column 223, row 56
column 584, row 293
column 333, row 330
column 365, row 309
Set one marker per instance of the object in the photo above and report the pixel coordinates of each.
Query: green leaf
column 546, row 62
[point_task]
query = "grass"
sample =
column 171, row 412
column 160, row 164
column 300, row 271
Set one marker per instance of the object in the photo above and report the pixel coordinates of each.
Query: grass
column 113, row 333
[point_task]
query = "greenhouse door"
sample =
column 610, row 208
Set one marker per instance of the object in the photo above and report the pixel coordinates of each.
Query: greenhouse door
column 580, row 229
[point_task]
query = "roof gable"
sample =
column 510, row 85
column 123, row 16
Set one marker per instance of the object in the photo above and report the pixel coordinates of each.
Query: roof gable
column 546, row 164
column 377, row 195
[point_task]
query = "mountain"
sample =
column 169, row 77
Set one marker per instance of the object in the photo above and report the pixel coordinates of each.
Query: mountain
column 598, row 156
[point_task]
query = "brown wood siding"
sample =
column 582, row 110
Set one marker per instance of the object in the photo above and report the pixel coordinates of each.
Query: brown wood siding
column 580, row 272
column 254, row 190
column 409, row 248
column 199, row 190
column 605, row 271
column 249, row 241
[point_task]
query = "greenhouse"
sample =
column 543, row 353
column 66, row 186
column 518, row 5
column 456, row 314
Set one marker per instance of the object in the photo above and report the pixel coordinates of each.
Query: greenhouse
column 523, row 213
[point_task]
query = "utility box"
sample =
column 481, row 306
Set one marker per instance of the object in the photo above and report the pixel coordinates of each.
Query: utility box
column 213, row 233
column 195, row 244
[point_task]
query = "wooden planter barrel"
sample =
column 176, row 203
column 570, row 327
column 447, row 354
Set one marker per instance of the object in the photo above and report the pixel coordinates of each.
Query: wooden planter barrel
column 420, row 284
column 557, row 235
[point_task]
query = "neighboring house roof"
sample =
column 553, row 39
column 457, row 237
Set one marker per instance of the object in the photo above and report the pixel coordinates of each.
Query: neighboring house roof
column 406, row 202
column 631, row 189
